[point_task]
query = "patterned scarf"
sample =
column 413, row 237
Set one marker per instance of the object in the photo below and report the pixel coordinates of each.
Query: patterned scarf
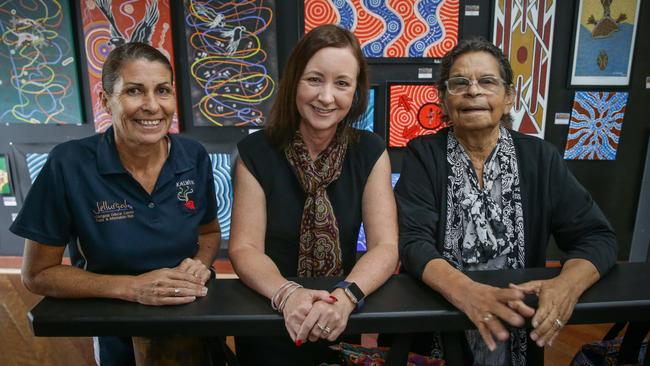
column 486, row 223
column 320, row 248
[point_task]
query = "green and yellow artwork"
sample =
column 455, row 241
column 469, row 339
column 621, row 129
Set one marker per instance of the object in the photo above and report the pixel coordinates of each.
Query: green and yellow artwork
column 604, row 42
column 5, row 185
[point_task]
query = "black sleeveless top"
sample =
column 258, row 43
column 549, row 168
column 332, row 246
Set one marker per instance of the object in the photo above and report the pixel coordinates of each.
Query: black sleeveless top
column 285, row 197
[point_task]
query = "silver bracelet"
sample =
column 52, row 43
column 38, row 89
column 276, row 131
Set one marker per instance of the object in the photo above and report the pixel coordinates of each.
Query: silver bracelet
column 278, row 291
column 287, row 295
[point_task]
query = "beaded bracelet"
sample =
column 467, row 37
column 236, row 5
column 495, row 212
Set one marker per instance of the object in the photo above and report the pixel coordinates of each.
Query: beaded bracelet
column 287, row 295
column 278, row 291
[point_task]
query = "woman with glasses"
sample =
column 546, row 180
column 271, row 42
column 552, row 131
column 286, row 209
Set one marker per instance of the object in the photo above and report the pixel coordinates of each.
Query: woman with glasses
column 479, row 196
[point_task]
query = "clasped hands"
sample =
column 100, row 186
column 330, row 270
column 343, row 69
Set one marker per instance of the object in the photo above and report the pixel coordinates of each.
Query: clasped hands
column 488, row 307
column 310, row 315
column 171, row 286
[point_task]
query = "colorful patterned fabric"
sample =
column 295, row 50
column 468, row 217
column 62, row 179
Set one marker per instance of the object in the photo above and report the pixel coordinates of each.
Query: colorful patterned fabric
column 320, row 248
column 354, row 354
column 604, row 353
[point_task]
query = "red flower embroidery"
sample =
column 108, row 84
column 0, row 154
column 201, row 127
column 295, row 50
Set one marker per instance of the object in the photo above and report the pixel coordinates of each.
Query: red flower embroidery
column 190, row 205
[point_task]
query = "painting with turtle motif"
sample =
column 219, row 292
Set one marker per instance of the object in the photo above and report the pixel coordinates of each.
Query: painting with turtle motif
column 604, row 42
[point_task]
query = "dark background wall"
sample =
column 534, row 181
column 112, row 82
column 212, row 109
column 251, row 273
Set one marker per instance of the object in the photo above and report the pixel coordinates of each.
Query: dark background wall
column 615, row 185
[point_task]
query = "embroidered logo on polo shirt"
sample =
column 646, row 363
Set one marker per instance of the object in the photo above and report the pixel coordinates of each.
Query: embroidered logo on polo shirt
column 185, row 189
column 113, row 210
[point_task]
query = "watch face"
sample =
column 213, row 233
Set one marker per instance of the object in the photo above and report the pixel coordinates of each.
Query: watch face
column 351, row 295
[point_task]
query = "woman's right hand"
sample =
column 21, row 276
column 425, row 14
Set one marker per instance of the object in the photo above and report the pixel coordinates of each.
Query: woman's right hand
column 166, row 286
column 298, row 306
column 487, row 306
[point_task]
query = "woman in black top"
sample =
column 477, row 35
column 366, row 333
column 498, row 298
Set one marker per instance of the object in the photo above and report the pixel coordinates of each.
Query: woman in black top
column 302, row 188
column 480, row 196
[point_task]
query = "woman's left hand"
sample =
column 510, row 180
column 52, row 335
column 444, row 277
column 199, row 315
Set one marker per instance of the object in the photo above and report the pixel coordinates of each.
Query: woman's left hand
column 557, row 299
column 326, row 320
column 196, row 268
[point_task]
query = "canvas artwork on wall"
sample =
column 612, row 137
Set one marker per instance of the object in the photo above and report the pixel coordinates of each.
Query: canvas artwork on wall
column 413, row 110
column 595, row 125
column 221, row 165
column 368, row 121
column 391, row 28
column 111, row 23
column 361, row 241
column 38, row 77
column 35, row 162
column 524, row 32
column 232, row 53
column 604, row 42
column 5, row 177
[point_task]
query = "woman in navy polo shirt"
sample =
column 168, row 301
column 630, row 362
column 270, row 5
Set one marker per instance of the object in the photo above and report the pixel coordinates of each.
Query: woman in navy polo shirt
column 135, row 205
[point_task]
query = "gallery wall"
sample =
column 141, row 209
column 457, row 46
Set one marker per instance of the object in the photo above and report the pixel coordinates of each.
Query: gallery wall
column 614, row 184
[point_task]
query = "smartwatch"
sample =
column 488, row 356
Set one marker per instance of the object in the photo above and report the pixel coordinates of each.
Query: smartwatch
column 353, row 292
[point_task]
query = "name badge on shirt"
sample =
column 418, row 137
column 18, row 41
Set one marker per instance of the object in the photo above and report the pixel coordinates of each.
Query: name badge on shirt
column 113, row 210
column 185, row 194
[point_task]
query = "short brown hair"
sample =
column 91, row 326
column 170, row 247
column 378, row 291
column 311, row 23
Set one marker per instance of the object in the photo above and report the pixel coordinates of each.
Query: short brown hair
column 285, row 118
column 126, row 53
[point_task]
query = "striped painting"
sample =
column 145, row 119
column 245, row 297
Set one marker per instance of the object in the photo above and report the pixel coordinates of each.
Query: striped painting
column 221, row 165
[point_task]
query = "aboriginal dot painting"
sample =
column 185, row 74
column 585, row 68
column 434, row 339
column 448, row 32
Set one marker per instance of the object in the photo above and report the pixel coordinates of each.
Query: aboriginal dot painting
column 391, row 28
column 595, row 125
column 223, row 190
column 361, row 241
column 38, row 77
column 232, row 53
column 111, row 23
column 413, row 110
column 35, row 162
column 367, row 122
column 524, row 32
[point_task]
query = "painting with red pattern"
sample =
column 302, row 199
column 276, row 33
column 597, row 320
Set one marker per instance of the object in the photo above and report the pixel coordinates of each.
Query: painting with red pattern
column 391, row 28
column 413, row 110
column 524, row 32
column 110, row 23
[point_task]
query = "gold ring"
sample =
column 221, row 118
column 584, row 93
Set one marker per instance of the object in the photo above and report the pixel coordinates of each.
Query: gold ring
column 327, row 330
column 558, row 324
column 321, row 327
column 487, row 317
column 176, row 292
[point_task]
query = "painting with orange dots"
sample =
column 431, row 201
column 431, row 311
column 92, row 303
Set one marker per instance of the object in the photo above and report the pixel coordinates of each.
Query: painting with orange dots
column 232, row 53
column 111, row 23
column 413, row 110
column 391, row 28
column 524, row 32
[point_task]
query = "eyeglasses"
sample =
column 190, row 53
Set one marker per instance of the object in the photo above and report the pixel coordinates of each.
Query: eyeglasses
column 460, row 85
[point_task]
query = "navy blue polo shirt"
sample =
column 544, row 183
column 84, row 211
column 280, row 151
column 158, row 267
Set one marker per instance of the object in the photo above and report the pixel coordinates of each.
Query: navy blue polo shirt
column 85, row 198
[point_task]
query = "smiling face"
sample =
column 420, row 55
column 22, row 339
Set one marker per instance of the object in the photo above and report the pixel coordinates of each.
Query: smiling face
column 477, row 109
column 142, row 103
column 326, row 89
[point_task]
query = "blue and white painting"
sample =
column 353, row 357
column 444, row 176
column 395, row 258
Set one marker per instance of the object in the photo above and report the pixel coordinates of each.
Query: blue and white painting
column 361, row 241
column 367, row 122
column 35, row 162
column 221, row 165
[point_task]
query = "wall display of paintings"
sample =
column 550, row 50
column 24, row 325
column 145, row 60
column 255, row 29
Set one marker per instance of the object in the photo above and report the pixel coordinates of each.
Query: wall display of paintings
column 361, row 241
column 38, row 80
column 5, row 177
column 525, row 35
column 595, row 125
column 413, row 110
column 221, row 165
column 111, row 23
column 368, row 121
column 604, row 42
column 391, row 28
column 232, row 54
column 35, row 162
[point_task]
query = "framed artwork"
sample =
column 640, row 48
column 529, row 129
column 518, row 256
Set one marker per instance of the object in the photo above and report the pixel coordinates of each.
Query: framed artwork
column 413, row 110
column 368, row 121
column 391, row 28
column 39, row 79
column 604, row 42
column 524, row 32
column 361, row 241
column 35, row 162
column 110, row 23
column 595, row 125
column 6, row 188
column 232, row 55
column 221, row 166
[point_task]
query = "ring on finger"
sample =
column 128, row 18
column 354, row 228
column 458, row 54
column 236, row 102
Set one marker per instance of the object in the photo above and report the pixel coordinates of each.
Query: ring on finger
column 558, row 324
column 321, row 327
column 327, row 330
column 176, row 292
column 487, row 317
